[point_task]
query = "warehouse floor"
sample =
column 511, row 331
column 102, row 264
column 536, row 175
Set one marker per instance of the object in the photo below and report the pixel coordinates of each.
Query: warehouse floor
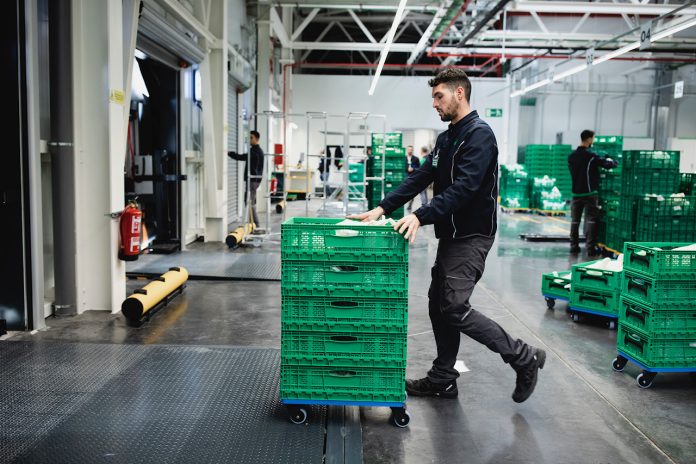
column 581, row 412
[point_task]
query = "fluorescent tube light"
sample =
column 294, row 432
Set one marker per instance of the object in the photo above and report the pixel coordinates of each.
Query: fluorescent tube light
column 673, row 30
column 569, row 72
column 536, row 85
column 517, row 93
column 387, row 45
column 616, row 53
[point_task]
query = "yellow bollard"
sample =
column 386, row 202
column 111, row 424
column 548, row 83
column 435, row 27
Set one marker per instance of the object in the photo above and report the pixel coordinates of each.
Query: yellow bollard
column 280, row 207
column 236, row 237
column 147, row 300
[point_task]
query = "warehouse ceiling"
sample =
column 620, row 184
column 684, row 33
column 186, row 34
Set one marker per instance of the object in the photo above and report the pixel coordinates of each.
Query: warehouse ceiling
column 344, row 37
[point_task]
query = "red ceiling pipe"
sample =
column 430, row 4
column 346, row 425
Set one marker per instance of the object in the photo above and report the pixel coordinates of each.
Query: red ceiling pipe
column 387, row 65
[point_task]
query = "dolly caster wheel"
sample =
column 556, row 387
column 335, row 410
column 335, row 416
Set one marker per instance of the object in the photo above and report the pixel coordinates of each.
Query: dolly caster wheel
column 297, row 415
column 575, row 317
column 550, row 302
column 619, row 363
column 400, row 417
column 611, row 325
column 645, row 379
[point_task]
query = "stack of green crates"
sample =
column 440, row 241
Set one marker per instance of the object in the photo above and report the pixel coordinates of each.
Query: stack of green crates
column 657, row 327
column 542, row 196
column 643, row 172
column 687, row 183
column 670, row 219
column 344, row 313
column 595, row 291
column 388, row 158
column 551, row 161
column 514, row 186
column 608, row 146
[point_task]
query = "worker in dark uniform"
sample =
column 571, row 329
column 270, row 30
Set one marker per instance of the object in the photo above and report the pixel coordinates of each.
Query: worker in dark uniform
column 464, row 168
column 254, row 172
column 584, row 170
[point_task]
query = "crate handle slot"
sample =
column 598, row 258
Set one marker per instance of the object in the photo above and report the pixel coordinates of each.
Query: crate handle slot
column 596, row 275
column 345, row 304
column 639, row 313
column 344, row 338
column 591, row 297
column 639, row 284
column 346, row 233
column 344, row 268
column 639, row 256
column 343, row 374
column 630, row 338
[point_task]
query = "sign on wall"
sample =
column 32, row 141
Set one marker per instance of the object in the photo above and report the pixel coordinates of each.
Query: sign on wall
column 494, row 112
column 678, row 89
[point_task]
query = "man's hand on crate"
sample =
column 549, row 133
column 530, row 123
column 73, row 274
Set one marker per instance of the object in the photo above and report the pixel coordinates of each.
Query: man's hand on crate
column 408, row 226
column 369, row 216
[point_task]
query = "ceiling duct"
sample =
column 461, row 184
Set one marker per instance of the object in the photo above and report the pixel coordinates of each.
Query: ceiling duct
column 153, row 25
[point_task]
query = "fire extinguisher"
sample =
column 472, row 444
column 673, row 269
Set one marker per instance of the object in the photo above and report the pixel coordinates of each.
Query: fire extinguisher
column 274, row 184
column 130, row 226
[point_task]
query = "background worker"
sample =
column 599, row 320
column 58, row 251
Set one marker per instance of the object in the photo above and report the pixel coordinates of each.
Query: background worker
column 252, row 174
column 413, row 163
column 584, row 170
column 464, row 167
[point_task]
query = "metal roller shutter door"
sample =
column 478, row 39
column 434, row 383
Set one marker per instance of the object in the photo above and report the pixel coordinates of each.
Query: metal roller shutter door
column 232, row 165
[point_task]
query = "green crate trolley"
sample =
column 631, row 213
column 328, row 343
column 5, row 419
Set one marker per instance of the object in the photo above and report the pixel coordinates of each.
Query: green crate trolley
column 554, row 287
column 657, row 323
column 344, row 317
column 594, row 292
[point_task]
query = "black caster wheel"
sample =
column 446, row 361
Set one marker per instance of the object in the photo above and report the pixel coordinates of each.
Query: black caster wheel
column 550, row 302
column 619, row 363
column 611, row 325
column 400, row 417
column 298, row 415
column 575, row 317
column 645, row 379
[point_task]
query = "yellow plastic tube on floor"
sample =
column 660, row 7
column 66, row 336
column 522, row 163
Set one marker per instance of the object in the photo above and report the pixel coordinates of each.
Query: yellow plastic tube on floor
column 235, row 237
column 144, row 299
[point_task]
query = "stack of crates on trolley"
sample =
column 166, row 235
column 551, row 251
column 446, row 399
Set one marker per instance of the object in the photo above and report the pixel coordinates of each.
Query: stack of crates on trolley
column 608, row 146
column 388, row 162
column 514, row 187
column 644, row 174
column 356, row 181
column 344, row 316
column 657, row 314
column 595, row 290
column 555, row 286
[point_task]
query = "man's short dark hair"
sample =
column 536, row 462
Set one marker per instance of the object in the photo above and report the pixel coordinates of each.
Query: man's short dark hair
column 586, row 134
column 256, row 134
column 453, row 78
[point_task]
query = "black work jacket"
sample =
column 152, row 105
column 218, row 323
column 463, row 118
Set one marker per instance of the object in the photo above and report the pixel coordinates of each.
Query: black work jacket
column 584, row 170
column 464, row 169
column 256, row 166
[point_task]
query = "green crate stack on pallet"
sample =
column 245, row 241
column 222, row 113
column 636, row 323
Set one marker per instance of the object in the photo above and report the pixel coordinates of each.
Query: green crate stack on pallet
column 671, row 219
column 551, row 161
column 514, row 186
column 595, row 289
column 687, row 183
column 643, row 172
column 610, row 146
column 344, row 312
column 545, row 196
column 657, row 326
column 387, row 151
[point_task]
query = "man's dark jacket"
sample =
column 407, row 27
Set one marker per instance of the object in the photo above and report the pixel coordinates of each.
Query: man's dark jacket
column 584, row 170
column 256, row 166
column 464, row 168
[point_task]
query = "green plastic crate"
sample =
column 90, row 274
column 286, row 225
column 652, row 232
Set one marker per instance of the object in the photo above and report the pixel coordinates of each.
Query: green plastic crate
column 356, row 173
column 349, row 278
column 659, row 293
column 593, row 300
column 322, row 238
column 342, row 384
column 650, row 159
column 349, row 349
column 652, row 321
column 656, row 351
column 344, row 314
column 555, row 285
column 646, row 259
column 598, row 279
column 390, row 139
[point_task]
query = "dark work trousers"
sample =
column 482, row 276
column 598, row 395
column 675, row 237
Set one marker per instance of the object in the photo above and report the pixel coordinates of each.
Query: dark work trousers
column 591, row 206
column 458, row 266
column 253, row 187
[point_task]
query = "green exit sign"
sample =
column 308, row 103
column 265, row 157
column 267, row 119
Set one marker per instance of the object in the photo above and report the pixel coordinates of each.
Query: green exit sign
column 494, row 112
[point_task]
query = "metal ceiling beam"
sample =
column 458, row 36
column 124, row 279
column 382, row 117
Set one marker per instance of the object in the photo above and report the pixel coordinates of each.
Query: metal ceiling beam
column 425, row 37
column 358, row 6
column 279, row 29
column 303, row 25
column 490, row 14
column 540, row 6
column 362, row 26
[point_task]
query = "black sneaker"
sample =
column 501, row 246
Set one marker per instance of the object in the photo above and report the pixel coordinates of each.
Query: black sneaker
column 424, row 387
column 527, row 376
column 575, row 250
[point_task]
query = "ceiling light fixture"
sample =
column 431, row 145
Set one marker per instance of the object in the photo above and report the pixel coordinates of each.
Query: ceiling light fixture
column 387, row 45
column 674, row 29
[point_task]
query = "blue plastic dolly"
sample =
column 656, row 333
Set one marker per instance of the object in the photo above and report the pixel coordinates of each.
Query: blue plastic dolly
column 298, row 414
column 576, row 314
column 645, row 378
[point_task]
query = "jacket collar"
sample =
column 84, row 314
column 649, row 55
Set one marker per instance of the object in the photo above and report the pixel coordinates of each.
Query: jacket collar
column 465, row 121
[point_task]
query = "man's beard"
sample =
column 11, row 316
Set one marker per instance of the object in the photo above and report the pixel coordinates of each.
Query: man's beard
column 448, row 114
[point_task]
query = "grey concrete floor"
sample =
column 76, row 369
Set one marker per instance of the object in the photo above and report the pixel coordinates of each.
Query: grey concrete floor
column 581, row 412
